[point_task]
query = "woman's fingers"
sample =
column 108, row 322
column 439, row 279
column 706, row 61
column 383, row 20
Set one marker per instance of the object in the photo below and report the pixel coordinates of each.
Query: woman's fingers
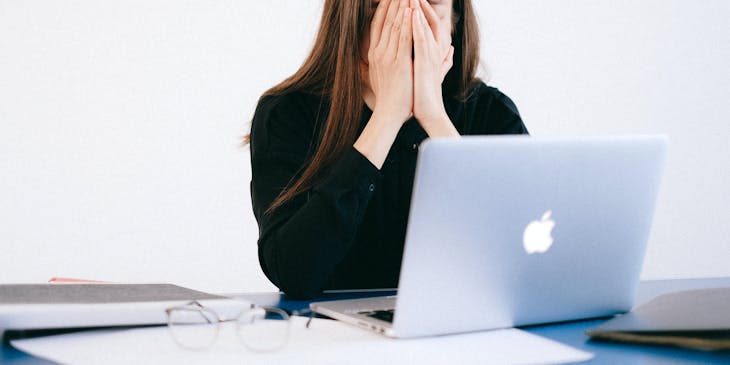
column 394, row 37
column 425, row 36
column 405, row 45
column 430, row 64
column 441, row 36
column 376, row 27
column 419, row 36
column 426, row 49
column 431, row 17
column 390, row 19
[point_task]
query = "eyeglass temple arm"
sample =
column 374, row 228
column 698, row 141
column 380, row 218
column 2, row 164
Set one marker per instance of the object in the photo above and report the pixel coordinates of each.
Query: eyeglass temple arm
column 196, row 304
column 309, row 321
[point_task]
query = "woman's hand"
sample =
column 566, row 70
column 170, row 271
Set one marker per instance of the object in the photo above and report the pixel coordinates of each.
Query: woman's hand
column 433, row 58
column 390, row 59
column 390, row 69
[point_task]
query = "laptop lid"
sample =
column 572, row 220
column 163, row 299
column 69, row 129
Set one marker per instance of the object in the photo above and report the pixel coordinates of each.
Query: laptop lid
column 514, row 230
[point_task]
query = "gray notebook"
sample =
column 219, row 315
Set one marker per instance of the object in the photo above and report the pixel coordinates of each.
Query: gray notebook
column 50, row 306
column 96, row 293
column 696, row 319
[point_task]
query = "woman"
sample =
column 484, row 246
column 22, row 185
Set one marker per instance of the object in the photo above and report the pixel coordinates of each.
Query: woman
column 333, row 147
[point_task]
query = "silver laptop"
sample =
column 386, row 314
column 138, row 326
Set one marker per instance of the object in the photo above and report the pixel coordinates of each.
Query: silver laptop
column 511, row 231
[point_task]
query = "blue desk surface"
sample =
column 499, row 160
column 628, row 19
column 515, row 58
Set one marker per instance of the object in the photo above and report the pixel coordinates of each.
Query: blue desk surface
column 570, row 333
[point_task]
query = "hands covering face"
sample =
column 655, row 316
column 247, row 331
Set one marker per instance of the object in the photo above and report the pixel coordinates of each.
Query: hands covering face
column 410, row 53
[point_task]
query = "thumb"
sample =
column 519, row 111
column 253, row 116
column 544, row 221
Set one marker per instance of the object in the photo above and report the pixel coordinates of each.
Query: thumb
column 448, row 62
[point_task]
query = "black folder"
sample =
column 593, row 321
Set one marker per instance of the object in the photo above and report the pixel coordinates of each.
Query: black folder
column 698, row 319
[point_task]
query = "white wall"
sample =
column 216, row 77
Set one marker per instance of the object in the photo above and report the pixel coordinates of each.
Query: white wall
column 618, row 67
column 120, row 123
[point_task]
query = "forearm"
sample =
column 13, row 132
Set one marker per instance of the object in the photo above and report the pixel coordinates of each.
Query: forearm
column 378, row 136
column 440, row 126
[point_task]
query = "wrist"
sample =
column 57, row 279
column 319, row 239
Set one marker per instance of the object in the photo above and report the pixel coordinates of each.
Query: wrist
column 392, row 119
column 434, row 119
column 439, row 125
column 376, row 139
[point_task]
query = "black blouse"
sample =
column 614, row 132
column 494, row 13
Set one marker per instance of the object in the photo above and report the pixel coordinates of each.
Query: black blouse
column 348, row 231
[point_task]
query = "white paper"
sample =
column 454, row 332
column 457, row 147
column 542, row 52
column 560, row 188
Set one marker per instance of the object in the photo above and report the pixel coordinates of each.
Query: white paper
column 325, row 342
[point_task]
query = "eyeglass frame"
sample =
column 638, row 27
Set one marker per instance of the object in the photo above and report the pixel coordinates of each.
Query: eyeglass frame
column 222, row 319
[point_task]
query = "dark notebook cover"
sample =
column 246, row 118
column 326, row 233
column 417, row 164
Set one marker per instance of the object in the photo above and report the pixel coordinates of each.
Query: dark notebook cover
column 697, row 319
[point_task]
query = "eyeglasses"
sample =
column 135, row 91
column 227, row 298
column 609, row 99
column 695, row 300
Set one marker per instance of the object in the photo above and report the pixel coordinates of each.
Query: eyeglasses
column 194, row 326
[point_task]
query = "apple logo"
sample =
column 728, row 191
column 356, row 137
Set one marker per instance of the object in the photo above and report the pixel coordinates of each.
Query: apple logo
column 537, row 237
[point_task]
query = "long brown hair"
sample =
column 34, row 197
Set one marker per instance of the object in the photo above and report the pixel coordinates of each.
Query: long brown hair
column 332, row 69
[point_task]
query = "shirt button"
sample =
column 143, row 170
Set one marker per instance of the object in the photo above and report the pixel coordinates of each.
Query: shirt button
column 371, row 187
column 415, row 146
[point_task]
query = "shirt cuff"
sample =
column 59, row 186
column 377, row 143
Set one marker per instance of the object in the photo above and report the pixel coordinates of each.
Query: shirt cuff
column 355, row 170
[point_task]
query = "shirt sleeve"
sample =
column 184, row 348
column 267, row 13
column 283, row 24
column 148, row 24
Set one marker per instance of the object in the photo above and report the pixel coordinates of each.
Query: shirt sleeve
column 301, row 242
column 499, row 112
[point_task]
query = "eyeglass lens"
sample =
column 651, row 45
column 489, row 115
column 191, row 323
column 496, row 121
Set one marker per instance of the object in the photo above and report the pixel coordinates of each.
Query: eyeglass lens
column 193, row 328
column 260, row 329
column 263, row 329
